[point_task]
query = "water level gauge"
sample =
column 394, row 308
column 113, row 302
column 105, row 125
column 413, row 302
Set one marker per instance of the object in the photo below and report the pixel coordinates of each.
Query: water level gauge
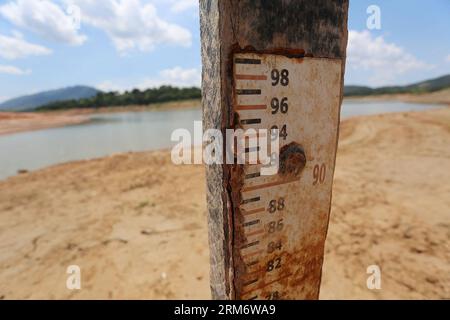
column 280, row 221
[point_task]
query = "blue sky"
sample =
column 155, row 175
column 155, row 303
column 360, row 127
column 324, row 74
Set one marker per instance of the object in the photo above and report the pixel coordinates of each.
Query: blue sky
column 122, row 44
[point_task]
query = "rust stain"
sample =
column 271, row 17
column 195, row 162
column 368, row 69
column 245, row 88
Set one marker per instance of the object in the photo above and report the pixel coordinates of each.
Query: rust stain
column 289, row 53
column 292, row 160
column 307, row 278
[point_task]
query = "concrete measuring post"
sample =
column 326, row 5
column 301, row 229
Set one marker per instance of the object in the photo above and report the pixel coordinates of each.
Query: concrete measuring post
column 275, row 64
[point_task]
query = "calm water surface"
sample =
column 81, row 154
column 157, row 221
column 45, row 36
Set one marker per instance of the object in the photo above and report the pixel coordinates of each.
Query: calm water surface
column 113, row 133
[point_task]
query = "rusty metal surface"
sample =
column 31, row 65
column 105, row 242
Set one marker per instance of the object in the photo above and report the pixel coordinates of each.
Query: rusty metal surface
column 278, row 252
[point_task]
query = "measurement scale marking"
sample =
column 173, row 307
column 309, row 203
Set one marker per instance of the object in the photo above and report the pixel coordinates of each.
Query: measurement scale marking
column 252, row 107
column 250, row 77
column 253, row 175
column 255, row 211
column 250, row 136
column 249, row 283
column 267, row 185
column 251, row 254
column 251, row 244
column 256, row 199
column 252, row 223
column 255, row 233
column 253, row 263
column 251, row 121
column 248, row 91
column 250, row 150
column 255, row 271
column 247, row 61
column 266, row 284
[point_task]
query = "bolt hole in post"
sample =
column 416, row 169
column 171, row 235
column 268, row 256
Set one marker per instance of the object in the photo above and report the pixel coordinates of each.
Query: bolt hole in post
column 268, row 241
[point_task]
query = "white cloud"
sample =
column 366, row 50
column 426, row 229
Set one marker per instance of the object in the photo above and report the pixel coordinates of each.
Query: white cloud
column 13, row 70
column 176, row 76
column 44, row 18
column 447, row 58
column 131, row 24
column 384, row 60
column 16, row 47
column 182, row 5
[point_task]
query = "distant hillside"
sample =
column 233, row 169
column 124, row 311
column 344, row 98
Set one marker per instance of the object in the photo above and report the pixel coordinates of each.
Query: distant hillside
column 128, row 98
column 357, row 91
column 31, row 102
column 420, row 87
column 87, row 97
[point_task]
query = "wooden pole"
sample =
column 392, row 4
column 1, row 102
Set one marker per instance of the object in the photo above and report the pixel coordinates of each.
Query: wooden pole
column 265, row 64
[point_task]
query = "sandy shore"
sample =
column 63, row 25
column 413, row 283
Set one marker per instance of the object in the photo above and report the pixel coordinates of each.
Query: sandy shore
column 13, row 122
column 437, row 97
column 136, row 224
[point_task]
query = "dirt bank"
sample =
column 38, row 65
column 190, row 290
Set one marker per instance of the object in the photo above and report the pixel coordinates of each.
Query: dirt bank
column 13, row 122
column 437, row 97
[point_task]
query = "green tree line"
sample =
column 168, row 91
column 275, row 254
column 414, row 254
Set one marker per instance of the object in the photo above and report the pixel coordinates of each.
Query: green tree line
column 134, row 97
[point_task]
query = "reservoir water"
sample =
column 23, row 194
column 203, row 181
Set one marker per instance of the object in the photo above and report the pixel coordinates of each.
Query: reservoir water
column 112, row 133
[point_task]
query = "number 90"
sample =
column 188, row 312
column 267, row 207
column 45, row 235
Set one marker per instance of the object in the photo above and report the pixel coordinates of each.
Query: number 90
column 319, row 174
